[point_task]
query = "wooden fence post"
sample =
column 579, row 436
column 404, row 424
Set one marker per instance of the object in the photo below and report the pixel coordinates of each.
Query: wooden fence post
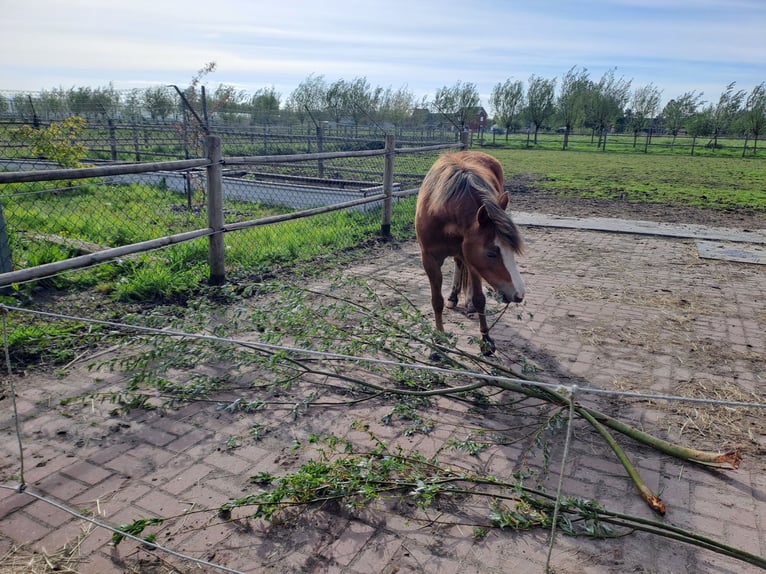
column 388, row 185
column 6, row 264
column 215, row 211
column 112, row 139
column 320, row 149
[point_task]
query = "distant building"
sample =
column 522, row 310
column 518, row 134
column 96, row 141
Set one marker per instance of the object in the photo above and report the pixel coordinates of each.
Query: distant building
column 476, row 118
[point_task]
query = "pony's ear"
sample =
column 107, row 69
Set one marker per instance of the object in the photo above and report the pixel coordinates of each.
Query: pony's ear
column 482, row 217
column 503, row 200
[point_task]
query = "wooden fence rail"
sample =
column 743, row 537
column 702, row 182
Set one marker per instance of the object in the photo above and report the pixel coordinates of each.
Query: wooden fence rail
column 213, row 163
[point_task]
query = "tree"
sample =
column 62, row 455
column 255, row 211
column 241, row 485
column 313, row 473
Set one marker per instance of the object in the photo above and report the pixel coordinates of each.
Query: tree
column 700, row 125
column 131, row 109
column 335, row 100
column 455, row 103
column 53, row 103
column 264, row 105
column 360, row 100
column 540, row 101
column 396, row 106
column 677, row 112
column 754, row 115
column 308, row 98
column 723, row 113
column 571, row 100
column 605, row 103
column 159, row 103
column 645, row 102
column 505, row 102
column 60, row 141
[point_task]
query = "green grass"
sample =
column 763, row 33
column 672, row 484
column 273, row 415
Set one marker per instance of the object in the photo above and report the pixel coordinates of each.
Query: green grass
column 719, row 183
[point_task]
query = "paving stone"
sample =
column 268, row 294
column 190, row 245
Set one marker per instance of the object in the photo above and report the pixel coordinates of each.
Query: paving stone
column 589, row 326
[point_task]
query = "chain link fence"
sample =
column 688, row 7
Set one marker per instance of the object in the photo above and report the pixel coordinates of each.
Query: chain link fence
column 49, row 215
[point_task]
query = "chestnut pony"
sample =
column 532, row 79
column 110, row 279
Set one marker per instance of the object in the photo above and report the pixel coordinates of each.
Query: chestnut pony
column 461, row 213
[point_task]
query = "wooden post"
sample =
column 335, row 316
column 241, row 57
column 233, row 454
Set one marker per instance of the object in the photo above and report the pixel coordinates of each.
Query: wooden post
column 6, row 264
column 112, row 139
column 388, row 185
column 320, row 149
column 136, row 147
column 215, row 211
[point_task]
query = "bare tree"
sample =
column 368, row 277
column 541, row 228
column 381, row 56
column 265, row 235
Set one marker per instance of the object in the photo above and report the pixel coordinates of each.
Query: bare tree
column 505, row 102
column 539, row 101
column 571, row 100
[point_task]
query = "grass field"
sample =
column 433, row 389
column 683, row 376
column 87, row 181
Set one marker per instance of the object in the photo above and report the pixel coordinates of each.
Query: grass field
column 717, row 182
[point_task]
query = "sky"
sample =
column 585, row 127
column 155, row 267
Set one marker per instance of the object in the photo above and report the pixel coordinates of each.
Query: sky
column 421, row 45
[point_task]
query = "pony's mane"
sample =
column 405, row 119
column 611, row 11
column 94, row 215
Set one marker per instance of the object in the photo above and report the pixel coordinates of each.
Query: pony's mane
column 458, row 178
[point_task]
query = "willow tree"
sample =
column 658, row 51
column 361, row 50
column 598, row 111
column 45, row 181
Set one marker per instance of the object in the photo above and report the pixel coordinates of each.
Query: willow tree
column 754, row 115
column 539, row 101
column 723, row 113
column 677, row 112
column 396, row 106
column 505, row 101
column 456, row 102
column 307, row 100
column 644, row 106
column 606, row 103
column 571, row 101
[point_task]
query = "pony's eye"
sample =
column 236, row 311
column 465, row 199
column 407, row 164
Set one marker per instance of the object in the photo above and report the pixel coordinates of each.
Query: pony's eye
column 493, row 253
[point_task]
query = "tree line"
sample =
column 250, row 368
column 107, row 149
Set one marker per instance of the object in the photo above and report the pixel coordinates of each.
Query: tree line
column 574, row 102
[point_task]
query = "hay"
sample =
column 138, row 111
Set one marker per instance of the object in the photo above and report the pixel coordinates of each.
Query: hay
column 66, row 560
column 735, row 425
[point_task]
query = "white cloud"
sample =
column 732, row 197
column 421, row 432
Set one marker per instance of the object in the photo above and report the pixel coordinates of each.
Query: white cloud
column 684, row 44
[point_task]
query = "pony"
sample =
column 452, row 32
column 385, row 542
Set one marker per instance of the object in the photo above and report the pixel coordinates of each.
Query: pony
column 461, row 213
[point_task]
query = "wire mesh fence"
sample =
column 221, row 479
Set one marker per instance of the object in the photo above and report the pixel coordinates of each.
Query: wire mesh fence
column 57, row 216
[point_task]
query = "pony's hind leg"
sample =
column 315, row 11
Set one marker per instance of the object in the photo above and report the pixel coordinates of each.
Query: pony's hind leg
column 461, row 281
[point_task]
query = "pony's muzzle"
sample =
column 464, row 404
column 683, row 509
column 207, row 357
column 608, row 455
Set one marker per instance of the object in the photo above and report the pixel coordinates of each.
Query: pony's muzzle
column 515, row 298
column 511, row 295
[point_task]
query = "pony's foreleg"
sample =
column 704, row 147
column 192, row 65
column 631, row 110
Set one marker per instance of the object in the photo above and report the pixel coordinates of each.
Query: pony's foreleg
column 479, row 302
column 433, row 269
column 457, row 283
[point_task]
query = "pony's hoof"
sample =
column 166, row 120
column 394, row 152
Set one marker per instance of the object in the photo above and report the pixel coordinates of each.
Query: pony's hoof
column 487, row 346
column 436, row 357
column 451, row 303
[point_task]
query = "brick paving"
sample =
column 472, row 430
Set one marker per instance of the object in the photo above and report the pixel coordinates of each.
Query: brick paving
column 624, row 312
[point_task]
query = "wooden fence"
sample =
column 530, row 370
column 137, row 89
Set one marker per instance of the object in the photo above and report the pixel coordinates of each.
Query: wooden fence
column 213, row 163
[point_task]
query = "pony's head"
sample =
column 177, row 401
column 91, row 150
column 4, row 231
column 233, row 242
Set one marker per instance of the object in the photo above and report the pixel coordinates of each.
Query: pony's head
column 490, row 248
